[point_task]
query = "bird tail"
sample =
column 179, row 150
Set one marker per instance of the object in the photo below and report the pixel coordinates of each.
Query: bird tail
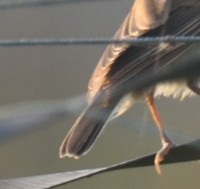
column 88, row 126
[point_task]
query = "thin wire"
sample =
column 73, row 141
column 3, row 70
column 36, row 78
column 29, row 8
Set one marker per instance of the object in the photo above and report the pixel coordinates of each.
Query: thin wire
column 97, row 41
column 36, row 3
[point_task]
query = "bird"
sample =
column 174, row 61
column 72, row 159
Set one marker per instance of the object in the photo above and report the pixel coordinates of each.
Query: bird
column 123, row 63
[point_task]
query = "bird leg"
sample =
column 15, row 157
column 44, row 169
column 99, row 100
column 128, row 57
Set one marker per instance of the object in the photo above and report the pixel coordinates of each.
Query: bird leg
column 167, row 144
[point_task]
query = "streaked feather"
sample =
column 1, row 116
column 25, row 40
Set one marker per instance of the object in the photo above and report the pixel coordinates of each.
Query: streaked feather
column 123, row 63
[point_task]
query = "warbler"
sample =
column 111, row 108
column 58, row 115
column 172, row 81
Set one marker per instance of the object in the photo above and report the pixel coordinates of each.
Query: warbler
column 122, row 63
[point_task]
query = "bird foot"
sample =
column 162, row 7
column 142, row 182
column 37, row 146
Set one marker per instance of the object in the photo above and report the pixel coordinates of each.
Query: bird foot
column 160, row 156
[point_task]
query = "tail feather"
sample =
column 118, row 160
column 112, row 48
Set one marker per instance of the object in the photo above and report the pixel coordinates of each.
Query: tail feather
column 88, row 126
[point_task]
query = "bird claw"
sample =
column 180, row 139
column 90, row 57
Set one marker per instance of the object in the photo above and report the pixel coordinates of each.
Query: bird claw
column 160, row 156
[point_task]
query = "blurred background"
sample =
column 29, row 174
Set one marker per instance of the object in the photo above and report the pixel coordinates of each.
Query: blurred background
column 62, row 72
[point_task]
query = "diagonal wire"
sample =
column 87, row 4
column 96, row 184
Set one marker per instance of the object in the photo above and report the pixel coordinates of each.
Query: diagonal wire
column 183, row 153
column 23, row 117
column 4, row 5
column 97, row 41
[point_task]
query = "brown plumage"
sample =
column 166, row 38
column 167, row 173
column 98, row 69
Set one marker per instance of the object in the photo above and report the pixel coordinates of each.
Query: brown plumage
column 121, row 63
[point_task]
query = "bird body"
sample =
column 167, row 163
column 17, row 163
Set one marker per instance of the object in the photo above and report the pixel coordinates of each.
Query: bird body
column 122, row 63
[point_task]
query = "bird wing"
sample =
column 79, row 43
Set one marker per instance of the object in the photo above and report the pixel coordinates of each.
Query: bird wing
column 142, row 18
column 136, row 60
column 122, row 62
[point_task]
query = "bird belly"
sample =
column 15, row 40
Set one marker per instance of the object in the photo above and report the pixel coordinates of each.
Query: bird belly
column 175, row 89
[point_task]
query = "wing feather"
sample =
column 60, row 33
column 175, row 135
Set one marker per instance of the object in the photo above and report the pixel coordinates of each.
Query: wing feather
column 144, row 16
column 122, row 62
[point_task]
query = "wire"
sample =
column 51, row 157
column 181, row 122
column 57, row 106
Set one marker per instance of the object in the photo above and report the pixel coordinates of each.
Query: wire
column 97, row 41
column 36, row 3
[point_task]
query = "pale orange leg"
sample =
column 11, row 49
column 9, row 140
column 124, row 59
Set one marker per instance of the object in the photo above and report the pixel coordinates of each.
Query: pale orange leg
column 166, row 142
